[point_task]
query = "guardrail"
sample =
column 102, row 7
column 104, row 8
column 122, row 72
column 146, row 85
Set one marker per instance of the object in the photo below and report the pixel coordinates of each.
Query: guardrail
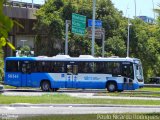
column 151, row 85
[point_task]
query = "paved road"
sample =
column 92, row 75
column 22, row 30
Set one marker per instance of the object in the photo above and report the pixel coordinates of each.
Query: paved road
column 75, row 109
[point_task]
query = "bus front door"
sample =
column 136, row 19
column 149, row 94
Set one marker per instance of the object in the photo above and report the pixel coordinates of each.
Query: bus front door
column 26, row 74
column 72, row 75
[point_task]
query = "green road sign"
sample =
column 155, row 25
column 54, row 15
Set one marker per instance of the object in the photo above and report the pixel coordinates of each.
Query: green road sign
column 78, row 24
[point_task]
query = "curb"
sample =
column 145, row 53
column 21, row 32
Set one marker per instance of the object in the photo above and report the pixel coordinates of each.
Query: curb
column 75, row 105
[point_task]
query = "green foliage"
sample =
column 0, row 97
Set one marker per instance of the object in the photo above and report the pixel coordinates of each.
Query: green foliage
column 1, row 65
column 25, row 51
column 144, row 38
column 51, row 26
column 5, row 23
column 115, row 46
column 54, row 28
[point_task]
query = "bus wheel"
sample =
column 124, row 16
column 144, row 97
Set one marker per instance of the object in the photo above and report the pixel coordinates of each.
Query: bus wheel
column 111, row 86
column 45, row 86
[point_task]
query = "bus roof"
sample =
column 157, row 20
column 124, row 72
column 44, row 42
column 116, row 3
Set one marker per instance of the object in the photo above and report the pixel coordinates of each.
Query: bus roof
column 68, row 58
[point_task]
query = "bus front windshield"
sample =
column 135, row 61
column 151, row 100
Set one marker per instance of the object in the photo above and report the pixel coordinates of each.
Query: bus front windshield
column 139, row 71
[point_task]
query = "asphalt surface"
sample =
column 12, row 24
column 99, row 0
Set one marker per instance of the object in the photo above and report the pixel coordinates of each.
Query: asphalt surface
column 26, row 110
column 21, row 109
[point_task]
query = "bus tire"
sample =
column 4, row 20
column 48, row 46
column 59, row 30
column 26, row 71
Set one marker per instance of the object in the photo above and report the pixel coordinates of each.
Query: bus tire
column 45, row 86
column 111, row 86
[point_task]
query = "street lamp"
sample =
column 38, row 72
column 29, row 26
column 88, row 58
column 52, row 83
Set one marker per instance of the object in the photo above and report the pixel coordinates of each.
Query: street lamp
column 23, row 42
column 129, row 24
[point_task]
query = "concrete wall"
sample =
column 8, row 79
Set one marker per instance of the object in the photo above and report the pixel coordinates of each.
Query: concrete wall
column 21, row 13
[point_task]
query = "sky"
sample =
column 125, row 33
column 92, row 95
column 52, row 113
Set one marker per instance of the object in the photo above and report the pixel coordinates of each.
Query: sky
column 143, row 7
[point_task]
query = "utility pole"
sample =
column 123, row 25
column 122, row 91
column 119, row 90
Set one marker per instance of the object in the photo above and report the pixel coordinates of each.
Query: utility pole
column 103, row 39
column 93, row 26
column 66, row 40
column 128, row 37
column 32, row 4
column 153, row 9
column 135, row 8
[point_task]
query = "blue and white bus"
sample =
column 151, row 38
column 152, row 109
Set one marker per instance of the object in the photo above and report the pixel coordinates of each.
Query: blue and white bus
column 86, row 72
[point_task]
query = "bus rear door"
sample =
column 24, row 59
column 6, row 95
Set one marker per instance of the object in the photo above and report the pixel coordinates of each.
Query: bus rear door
column 26, row 74
column 72, row 75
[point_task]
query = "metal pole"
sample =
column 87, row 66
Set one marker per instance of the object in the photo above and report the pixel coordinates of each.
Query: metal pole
column 135, row 8
column 153, row 9
column 128, row 38
column 93, row 26
column 32, row 4
column 103, row 39
column 66, row 40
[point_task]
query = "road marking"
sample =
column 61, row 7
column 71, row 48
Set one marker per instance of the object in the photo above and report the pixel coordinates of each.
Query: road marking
column 10, row 108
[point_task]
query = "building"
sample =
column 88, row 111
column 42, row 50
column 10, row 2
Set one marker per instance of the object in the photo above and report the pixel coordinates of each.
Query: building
column 23, row 13
column 147, row 19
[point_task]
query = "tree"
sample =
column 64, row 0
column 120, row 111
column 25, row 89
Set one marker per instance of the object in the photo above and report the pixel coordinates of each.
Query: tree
column 144, row 38
column 49, row 28
column 106, row 12
column 6, row 25
column 145, row 45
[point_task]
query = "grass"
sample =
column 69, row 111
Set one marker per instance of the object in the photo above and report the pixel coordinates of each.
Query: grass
column 151, row 89
column 65, row 99
column 144, row 92
column 131, row 94
column 9, row 87
column 149, row 116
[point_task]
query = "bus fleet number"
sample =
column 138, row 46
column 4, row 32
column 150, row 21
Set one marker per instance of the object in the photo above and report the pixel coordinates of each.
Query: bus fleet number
column 13, row 76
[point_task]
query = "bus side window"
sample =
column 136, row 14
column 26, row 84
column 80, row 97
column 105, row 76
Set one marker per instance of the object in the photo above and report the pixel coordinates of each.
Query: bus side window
column 75, row 69
column 12, row 66
column 99, row 67
column 24, row 68
column 127, row 70
column 116, row 68
column 69, row 69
